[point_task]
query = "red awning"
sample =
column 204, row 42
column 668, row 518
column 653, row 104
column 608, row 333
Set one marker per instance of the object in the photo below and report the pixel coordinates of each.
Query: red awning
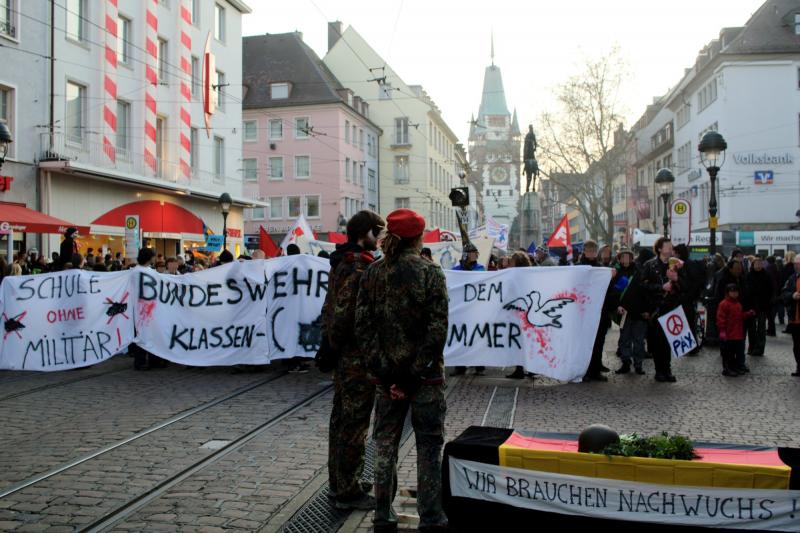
column 154, row 217
column 29, row 221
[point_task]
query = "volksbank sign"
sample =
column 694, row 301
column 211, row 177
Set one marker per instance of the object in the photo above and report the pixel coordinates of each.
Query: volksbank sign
column 763, row 158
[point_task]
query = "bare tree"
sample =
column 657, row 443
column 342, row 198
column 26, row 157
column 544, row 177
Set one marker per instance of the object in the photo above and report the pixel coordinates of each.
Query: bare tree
column 584, row 136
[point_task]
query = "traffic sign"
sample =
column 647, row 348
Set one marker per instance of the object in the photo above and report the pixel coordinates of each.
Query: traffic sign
column 680, row 221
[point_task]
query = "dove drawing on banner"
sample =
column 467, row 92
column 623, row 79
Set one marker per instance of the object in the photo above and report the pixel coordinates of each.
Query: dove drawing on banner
column 539, row 314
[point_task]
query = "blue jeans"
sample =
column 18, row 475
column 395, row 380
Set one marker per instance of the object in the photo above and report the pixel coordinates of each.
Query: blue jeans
column 631, row 340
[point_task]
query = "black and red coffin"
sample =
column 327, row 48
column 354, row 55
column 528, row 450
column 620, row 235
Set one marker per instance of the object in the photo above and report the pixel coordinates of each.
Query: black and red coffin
column 503, row 477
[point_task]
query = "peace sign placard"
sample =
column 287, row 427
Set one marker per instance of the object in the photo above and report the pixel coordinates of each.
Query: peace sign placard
column 680, row 337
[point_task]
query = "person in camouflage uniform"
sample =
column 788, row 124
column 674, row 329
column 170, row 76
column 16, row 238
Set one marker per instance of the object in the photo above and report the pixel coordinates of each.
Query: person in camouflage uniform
column 354, row 393
column 401, row 323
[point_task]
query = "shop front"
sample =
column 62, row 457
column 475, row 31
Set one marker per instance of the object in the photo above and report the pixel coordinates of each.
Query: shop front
column 17, row 221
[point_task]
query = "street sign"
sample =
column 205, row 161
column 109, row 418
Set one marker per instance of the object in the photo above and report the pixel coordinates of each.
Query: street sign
column 680, row 221
column 133, row 235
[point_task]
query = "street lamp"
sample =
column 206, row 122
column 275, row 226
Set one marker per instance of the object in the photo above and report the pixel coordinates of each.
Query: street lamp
column 711, row 147
column 5, row 140
column 225, row 204
column 664, row 181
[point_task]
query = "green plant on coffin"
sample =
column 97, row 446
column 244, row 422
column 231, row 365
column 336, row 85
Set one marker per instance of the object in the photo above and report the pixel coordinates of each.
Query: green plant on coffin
column 661, row 446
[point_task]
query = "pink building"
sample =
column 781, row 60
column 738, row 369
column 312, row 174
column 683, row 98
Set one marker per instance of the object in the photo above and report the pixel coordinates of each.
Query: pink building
column 308, row 144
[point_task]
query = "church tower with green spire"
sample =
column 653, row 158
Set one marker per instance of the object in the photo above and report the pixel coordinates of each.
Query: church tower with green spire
column 494, row 149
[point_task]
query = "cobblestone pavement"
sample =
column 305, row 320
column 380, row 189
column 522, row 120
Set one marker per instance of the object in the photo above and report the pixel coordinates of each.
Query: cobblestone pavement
column 248, row 487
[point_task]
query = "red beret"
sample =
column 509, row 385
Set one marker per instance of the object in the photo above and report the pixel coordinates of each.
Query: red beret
column 405, row 223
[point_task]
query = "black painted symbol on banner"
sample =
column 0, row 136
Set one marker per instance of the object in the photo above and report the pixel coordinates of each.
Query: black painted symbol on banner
column 13, row 324
column 311, row 335
column 116, row 308
column 539, row 314
column 274, row 338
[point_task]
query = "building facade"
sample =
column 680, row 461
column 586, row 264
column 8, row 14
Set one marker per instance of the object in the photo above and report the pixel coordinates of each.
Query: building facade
column 417, row 161
column 129, row 132
column 494, row 150
column 309, row 145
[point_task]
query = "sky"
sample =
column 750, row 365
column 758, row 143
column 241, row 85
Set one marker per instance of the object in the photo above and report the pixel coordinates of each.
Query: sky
column 444, row 45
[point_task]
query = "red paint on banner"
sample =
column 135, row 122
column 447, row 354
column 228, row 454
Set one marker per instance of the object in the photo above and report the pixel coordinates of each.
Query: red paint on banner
column 146, row 312
column 541, row 336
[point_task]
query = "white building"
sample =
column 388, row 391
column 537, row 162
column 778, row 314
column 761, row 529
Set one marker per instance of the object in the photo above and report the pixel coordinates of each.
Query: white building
column 745, row 85
column 128, row 130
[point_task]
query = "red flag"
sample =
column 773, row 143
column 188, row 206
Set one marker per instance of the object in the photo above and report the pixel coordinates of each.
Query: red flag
column 560, row 237
column 267, row 245
column 337, row 238
column 433, row 236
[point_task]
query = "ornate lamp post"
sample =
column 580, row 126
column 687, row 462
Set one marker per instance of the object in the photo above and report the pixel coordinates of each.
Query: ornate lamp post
column 664, row 181
column 712, row 153
column 225, row 205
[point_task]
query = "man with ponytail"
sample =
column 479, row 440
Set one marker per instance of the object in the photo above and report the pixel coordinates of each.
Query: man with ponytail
column 354, row 394
column 401, row 321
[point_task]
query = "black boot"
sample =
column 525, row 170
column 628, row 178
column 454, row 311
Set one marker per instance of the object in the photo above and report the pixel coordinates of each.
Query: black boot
column 625, row 368
column 518, row 373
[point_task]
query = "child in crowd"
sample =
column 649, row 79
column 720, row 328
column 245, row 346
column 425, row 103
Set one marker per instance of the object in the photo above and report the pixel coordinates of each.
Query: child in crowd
column 730, row 323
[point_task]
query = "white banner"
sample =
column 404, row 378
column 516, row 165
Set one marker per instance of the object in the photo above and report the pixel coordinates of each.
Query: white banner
column 298, row 285
column 678, row 332
column 65, row 319
column 544, row 319
column 744, row 508
column 207, row 318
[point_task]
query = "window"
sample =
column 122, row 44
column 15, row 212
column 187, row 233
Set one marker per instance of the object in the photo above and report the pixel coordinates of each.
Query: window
column 8, row 18
column 196, row 75
column 76, row 108
column 361, row 139
column 301, row 128
column 219, row 22
column 257, row 213
column 279, row 91
column 160, row 139
column 797, row 24
column 123, row 129
column 385, row 91
column 707, row 95
column 361, row 175
column 76, row 16
column 193, row 142
column 221, row 90
column 276, row 168
column 347, row 169
column 302, row 166
column 684, row 114
column 219, row 157
column 372, row 183
column 347, row 131
column 194, row 11
column 369, row 144
column 353, row 135
column 250, row 169
column 400, row 203
column 7, row 112
column 275, row 129
column 275, row 207
column 712, row 127
column 684, row 157
column 355, row 172
column 294, row 206
column 250, row 128
column 401, row 169
column 162, row 61
column 123, row 40
column 312, row 206
column 401, row 130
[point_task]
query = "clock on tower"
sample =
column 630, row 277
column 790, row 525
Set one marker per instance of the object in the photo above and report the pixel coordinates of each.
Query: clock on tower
column 499, row 176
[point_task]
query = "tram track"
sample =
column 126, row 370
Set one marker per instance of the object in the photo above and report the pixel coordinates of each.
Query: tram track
column 57, row 384
column 28, row 482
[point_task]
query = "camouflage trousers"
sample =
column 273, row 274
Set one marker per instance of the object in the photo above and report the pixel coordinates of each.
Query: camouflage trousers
column 353, row 399
column 428, row 409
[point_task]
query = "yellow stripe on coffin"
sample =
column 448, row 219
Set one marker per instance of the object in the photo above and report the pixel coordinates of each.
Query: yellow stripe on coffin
column 646, row 470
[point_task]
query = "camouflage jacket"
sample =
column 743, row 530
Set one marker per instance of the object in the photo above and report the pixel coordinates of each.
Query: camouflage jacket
column 401, row 320
column 348, row 263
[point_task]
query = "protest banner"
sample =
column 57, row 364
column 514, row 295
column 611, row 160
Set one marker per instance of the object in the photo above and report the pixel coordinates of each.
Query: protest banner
column 730, row 508
column 678, row 332
column 298, row 285
column 64, row 320
column 544, row 319
column 212, row 317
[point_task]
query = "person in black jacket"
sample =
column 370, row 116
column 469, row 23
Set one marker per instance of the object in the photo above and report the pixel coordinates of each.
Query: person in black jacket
column 695, row 274
column 791, row 297
column 663, row 286
column 596, row 368
column 758, row 299
column 68, row 247
column 633, row 308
